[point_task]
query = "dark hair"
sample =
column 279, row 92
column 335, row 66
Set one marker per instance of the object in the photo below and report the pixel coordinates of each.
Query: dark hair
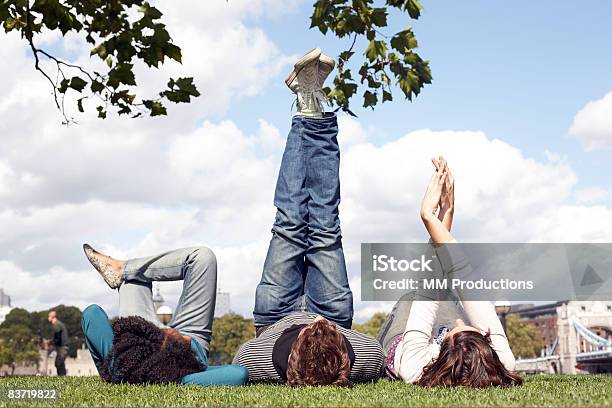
column 142, row 353
column 467, row 359
column 319, row 356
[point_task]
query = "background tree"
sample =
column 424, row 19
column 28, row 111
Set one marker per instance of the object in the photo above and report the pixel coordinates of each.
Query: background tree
column 122, row 33
column 230, row 331
column 41, row 329
column 525, row 339
column 18, row 346
column 372, row 326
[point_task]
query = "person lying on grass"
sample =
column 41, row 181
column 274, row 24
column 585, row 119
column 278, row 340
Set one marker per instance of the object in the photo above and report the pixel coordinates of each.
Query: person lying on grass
column 137, row 348
column 476, row 355
column 303, row 303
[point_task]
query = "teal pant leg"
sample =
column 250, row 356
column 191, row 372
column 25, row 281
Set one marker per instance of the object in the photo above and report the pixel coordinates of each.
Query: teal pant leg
column 98, row 333
column 219, row 375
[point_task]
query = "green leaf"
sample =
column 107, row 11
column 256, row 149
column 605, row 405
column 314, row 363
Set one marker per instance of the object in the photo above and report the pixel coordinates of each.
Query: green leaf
column 121, row 74
column 346, row 55
column 77, row 83
column 413, row 7
column 387, row 96
column 80, row 104
column 155, row 107
column 186, row 85
column 370, row 99
column 63, row 86
column 180, row 90
column 9, row 24
column 97, row 86
column 376, row 49
column 150, row 12
column 379, row 17
column 404, row 41
column 372, row 82
column 174, row 52
column 100, row 50
column 101, row 112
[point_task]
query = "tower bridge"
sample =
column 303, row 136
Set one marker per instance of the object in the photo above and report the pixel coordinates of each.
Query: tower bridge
column 577, row 337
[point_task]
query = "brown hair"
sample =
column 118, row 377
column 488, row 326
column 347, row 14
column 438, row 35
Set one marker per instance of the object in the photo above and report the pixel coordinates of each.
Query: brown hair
column 319, row 356
column 467, row 359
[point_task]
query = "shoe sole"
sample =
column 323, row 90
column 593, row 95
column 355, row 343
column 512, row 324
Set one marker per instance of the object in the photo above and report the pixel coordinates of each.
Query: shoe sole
column 86, row 249
column 326, row 60
column 309, row 57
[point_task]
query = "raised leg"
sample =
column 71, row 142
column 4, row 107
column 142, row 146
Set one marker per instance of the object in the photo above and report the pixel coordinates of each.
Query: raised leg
column 282, row 280
column 327, row 290
column 197, row 267
column 195, row 310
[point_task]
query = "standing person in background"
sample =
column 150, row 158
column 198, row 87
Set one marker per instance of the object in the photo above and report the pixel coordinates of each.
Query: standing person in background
column 60, row 342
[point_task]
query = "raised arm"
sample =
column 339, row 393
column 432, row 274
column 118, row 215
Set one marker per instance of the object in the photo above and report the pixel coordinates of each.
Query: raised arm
column 481, row 314
column 416, row 349
column 447, row 199
column 430, row 207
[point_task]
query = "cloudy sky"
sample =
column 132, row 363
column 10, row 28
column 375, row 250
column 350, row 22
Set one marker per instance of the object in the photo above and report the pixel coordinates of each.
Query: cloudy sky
column 521, row 104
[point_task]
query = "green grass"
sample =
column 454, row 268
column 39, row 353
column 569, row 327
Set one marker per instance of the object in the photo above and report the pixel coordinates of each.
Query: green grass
column 541, row 391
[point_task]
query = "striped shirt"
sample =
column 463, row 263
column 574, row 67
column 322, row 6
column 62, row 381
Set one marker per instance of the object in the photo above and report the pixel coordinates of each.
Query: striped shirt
column 256, row 354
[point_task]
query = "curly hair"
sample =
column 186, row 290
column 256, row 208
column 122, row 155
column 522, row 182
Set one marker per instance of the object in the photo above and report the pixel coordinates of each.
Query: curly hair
column 467, row 359
column 319, row 356
column 142, row 353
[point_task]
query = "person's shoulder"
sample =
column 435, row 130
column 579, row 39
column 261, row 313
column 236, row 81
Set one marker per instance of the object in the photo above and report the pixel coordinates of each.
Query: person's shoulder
column 294, row 318
column 358, row 339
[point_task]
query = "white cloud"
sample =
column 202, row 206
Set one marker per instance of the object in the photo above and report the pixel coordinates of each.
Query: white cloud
column 576, row 223
column 592, row 195
column 593, row 124
column 38, row 292
column 222, row 183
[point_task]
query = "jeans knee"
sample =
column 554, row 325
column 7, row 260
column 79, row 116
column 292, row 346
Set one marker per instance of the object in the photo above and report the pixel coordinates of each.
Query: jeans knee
column 322, row 237
column 205, row 260
column 205, row 255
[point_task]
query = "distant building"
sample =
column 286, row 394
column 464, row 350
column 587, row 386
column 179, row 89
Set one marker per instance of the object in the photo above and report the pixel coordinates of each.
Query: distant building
column 567, row 350
column 222, row 305
column 5, row 300
column 164, row 312
column 5, row 305
column 158, row 299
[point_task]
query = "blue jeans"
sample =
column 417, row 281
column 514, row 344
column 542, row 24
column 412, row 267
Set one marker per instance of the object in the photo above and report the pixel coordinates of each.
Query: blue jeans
column 305, row 255
column 196, row 267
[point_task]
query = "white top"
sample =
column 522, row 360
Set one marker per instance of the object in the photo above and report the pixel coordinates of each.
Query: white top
column 416, row 349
